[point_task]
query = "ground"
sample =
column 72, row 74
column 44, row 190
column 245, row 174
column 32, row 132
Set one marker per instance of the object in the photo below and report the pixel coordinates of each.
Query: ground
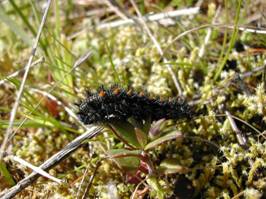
column 212, row 56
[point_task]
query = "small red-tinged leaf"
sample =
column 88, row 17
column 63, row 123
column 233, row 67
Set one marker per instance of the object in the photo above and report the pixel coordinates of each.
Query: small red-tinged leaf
column 52, row 107
column 132, row 164
column 133, row 177
column 156, row 128
column 141, row 137
column 171, row 166
column 165, row 138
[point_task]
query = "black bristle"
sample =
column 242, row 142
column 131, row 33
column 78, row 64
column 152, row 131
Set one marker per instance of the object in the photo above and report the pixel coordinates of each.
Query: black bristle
column 118, row 104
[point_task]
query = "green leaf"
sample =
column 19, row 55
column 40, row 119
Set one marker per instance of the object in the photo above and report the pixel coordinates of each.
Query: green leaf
column 156, row 187
column 4, row 172
column 126, row 132
column 160, row 140
column 171, row 166
column 126, row 159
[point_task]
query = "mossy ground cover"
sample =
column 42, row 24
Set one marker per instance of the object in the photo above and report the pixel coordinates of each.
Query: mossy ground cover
column 217, row 58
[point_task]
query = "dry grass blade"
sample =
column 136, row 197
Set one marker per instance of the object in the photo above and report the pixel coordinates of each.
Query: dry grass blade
column 158, row 47
column 90, row 180
column 52, row 161
column 19, row 71
column 19, row 95
column 148, row 18
column 115, row 7
column 83, row 181
column 218, row 25
column 82, row 59
column 34, row 168
column 208, row 35
column 240, row 137
column 154, row 17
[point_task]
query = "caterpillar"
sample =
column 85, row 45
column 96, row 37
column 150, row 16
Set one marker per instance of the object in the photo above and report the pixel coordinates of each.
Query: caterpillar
column 117, row 104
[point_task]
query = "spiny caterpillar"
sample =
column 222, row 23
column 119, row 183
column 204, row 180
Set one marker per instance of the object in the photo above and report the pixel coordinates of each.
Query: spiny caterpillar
column 118, row 104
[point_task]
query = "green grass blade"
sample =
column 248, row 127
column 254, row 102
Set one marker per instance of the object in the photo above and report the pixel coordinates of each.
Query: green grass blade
column 231, row 43
column 4, row 172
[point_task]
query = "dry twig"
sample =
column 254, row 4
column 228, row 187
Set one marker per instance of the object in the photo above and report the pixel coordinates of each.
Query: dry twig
column 209, row 32
column 147, row 18
column 34, row 168
column 116, row 8
column 51, row 162
column 239, row 135
column 217, row 25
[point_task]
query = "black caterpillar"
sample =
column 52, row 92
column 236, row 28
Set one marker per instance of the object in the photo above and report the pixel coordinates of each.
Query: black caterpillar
column 118, row 104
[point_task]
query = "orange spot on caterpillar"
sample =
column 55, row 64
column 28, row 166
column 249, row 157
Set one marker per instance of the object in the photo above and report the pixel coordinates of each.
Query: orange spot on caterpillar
column 129, row 92
column 141, row 94
column 116, row 91
column 102, row 93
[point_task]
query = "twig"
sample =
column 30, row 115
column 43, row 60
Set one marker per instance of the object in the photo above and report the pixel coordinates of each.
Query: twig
column 19, row 95
column 91, row 179
column 19, row 71
column 247, row 124
column 115, row 7
column 34, row 168
column 217, row 25
column 51, row 162
column 147, row 18
column 160, row 51
column 239, row 81
column 251, row 30
column 239, row 135
column 134, row 194
column 250, row 73
column 81, row 59
column 239, row 194
column 85, row 174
